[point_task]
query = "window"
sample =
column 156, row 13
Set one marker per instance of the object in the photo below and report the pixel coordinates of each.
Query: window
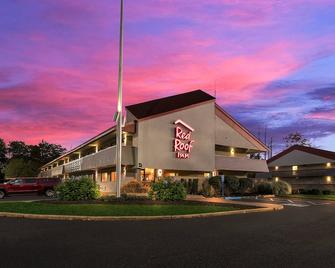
column 113, row 176
column 29, row 180
column 207, row 174
column 104, row 177
column 294, row 170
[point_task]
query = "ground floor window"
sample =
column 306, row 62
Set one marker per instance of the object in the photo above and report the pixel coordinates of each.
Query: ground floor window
column 104, row 177
column 113, row 176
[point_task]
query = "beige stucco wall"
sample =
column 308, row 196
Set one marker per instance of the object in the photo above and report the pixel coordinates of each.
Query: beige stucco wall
column 155, row 140
column 299, row 158
column 227, row 136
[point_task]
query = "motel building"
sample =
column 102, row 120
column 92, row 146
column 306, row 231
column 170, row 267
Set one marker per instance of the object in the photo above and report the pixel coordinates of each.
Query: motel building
column 305, row 168
column 186, row 136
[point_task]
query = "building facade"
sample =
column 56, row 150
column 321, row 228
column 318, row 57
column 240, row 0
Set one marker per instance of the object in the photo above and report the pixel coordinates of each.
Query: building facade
column 305, row 168
column 186, row 136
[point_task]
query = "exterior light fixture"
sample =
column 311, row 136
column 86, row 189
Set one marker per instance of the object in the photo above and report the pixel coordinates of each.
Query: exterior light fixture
column 232, row 151
column 329, row 178
column 276, row 179
column 294, row 168
column 276, row 167
column 159, row 172
column 328, row 165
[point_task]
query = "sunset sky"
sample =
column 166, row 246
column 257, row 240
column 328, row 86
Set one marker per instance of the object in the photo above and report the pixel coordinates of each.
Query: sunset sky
column 271, row 63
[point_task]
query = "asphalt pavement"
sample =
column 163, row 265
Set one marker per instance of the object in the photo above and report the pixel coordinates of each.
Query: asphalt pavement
column 298, row 236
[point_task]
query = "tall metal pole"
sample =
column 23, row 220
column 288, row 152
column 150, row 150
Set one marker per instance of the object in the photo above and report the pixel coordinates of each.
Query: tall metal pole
column 119, row 111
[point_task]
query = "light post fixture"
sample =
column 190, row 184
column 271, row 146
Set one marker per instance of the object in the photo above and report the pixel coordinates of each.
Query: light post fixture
column 118, row 116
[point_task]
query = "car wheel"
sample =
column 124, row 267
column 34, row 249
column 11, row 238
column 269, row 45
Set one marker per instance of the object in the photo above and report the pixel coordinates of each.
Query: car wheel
column 50, row 193
column 2, row 194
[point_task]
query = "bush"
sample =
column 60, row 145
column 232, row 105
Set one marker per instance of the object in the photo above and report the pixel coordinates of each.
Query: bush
column 327, row 192
column 264, row 188
column 233, row 184
column 281, row 188
column 315, row 191
column 207, row 189
column 83, row 188
column 167, row 190
column 133, row 187
column 215, row 182
column 246, row 185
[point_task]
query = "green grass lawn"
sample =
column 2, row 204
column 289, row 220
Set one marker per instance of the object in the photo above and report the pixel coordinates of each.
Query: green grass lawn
column 310, row 196
column 109, row 209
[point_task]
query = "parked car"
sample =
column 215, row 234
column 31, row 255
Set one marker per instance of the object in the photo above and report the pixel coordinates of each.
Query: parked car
column 29, row 185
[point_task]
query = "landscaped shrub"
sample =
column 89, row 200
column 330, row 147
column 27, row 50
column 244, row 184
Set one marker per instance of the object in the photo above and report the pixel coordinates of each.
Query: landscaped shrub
column 133, row 187
column 327, row 192
column 167, row 190
column 232, row 184
column 207, row 190
column 315, row 191
column 264, row 188
column 246, row 185
column 215, row 182
column 281, row 188
column 83, row 188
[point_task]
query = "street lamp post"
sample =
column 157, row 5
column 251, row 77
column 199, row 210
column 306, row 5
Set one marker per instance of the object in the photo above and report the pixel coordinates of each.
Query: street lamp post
column 119, row 117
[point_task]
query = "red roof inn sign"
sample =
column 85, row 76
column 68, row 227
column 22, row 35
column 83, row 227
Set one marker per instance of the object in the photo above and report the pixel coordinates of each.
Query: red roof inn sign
column 182, row 143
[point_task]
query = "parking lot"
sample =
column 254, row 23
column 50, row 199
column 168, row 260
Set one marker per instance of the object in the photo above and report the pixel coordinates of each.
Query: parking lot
column 301, row 235
column 290, row 202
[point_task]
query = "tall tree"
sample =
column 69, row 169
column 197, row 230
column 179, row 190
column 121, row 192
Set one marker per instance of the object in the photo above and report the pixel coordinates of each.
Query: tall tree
column 18, row 149
column 3, row 157
column 49, row 151
column 296, row 138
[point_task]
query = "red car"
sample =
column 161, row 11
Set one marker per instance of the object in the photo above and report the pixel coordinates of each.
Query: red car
column 29, row 185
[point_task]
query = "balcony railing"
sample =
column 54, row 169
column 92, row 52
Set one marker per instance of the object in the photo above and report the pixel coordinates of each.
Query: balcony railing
column 303, row 173
column 103, row 158
column 240, row 164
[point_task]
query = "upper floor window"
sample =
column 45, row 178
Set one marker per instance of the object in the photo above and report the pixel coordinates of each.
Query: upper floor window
column 294, row 170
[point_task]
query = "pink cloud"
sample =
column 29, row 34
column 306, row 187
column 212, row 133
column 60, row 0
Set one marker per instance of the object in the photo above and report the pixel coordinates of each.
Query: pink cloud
column 322, row 115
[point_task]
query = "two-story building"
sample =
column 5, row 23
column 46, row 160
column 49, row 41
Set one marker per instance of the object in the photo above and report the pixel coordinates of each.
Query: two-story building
column 182, row 136
column 305, row 168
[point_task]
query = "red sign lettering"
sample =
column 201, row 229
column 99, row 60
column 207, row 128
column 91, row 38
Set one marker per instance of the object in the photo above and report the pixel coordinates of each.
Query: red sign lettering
column 182, row 143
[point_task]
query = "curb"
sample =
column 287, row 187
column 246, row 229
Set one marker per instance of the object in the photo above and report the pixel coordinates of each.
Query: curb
column 138, row 218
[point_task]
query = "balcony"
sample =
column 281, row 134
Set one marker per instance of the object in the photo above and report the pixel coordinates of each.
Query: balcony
column 303, row 173
column 103, row 158
column 240, row 164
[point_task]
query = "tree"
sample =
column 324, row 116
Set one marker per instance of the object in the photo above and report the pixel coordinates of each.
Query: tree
column 296, row 138
column 3, row 157
column 18, row 149
column 19, row 167
column 49, row 151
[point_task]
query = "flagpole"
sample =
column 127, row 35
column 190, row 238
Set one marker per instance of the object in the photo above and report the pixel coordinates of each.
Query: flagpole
column 119, row 110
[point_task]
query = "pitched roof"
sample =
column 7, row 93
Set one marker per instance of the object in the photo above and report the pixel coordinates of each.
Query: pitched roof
column 311, row 150
column 167, row 104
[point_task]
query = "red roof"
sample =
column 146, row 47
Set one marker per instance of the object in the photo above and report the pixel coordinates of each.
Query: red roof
column 310, row 150
column 168, row 104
